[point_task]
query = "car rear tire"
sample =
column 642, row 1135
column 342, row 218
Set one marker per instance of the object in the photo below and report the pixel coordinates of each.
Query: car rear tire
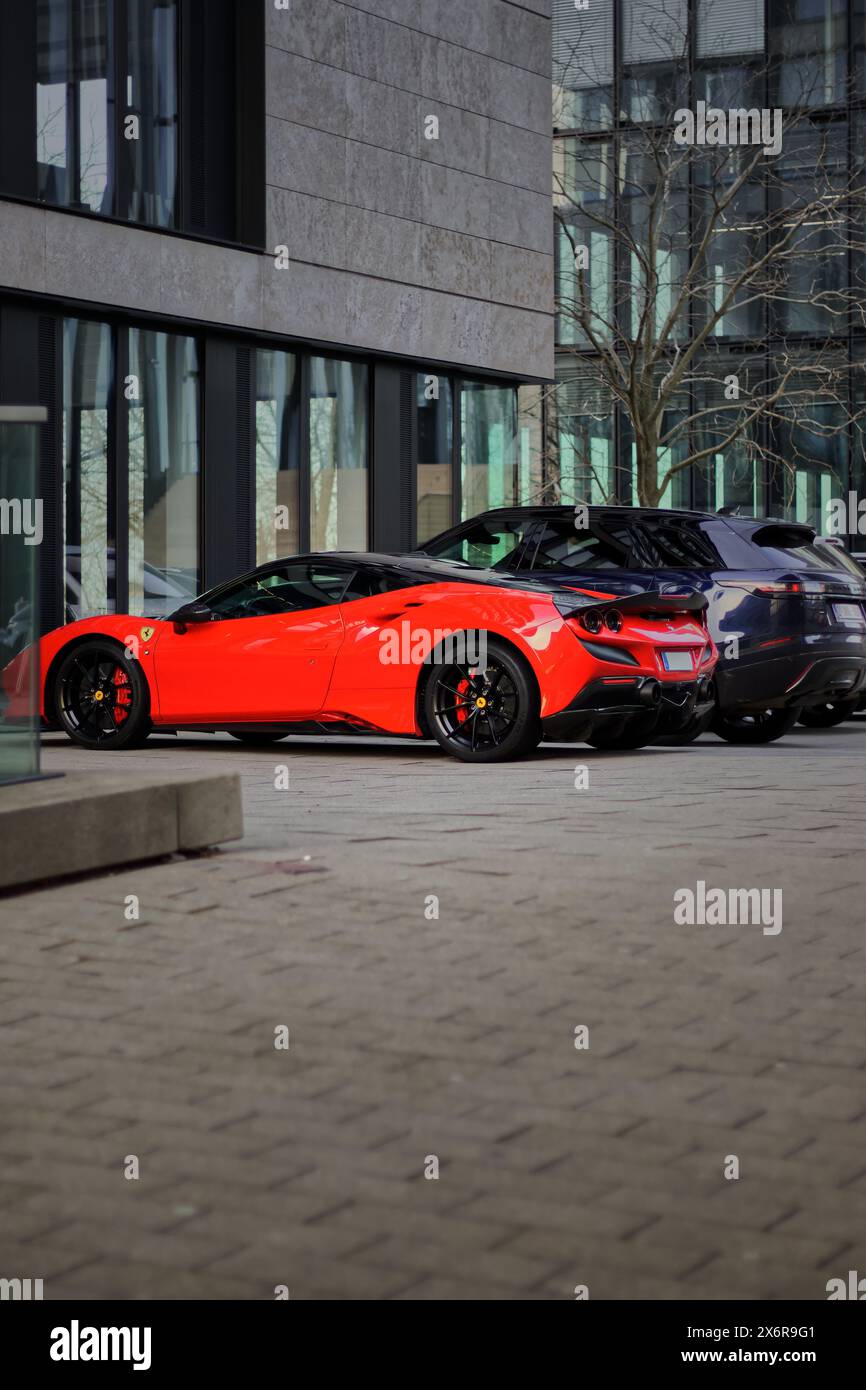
column 828, row 715
column 484, row 714
column 635, row 733
column 762, row 726
column 257, row 740
column 101, row 697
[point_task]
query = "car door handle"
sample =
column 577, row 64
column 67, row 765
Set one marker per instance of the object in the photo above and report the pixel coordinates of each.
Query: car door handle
column 389, row 617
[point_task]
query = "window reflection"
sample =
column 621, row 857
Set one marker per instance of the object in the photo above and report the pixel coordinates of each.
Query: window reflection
column 74, row 104
column 278, row 427
column 338, row 455
column 434, row 417
column 163, row 394
column 88, row 482
column 152, row 96
column 494, row 474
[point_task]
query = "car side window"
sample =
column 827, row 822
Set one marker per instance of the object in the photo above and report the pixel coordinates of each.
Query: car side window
column 562, row 545
column 290, row 589
column 369, row 583
column 485, row 545
column 682, row 543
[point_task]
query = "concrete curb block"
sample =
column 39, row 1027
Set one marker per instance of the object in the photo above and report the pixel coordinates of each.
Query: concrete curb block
column 84, row 822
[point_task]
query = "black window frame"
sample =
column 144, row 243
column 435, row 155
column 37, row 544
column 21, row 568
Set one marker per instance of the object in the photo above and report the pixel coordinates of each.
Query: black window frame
column 239, row 68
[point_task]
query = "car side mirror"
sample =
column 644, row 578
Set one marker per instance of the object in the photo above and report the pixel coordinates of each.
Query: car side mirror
column 195, row 612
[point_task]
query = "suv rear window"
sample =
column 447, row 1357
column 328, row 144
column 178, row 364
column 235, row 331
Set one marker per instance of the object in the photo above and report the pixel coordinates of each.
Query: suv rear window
column 814, row 555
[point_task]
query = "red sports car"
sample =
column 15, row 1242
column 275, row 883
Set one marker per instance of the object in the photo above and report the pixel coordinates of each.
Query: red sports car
column 344, row 643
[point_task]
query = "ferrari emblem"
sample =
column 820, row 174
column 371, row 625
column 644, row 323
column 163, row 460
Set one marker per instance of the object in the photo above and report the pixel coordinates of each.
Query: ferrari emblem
column 481, row 703
column 98, row 695
column 146, row 633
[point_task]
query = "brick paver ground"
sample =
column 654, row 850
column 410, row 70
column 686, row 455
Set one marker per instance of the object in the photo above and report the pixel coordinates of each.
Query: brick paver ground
column 414, row 1037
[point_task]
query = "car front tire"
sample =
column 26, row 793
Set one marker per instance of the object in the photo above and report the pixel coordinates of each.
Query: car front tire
column 101, row 697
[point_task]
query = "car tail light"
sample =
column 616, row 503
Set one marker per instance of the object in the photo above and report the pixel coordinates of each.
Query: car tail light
column 591, row 621
column 613, row 620
column 770, row 588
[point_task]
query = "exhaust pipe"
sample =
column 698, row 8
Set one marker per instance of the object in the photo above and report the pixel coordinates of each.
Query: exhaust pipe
column 650, row 692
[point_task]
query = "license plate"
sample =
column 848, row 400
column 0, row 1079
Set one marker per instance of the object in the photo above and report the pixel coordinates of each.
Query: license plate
column 677, row 661
column 849, row 613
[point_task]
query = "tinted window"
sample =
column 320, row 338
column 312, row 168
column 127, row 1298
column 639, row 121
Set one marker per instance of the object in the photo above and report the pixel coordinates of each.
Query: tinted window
column 562, row 545
column 681, row 543
column 369, row 583
column 816, row 556
column 288, row 590
column 485, row 544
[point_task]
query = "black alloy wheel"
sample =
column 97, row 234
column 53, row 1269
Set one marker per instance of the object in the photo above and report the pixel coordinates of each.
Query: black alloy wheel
column 101, row 697
column 483, row 713
column 760, row 726
column 828, row 715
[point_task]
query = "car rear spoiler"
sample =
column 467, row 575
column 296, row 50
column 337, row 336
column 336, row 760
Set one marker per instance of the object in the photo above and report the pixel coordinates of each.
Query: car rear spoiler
column 652, row 603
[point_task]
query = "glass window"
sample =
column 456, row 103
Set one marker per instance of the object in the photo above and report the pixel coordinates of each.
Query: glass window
column 682, row 543
column 734, row 246
column 494, row 471
column 88, row 482
column 152, row 98
column 338, row 455
column 486, row 544
column 808, row 49
column 655, row 58
column 580, row 466
column 278, row 450
column 733, row 474
column 370, row 583
column 582, row 65
column 583, row 193
column 779, row 551
column 730, row 52
column 21, row 530
column 435, row 426
column 74, row 104
column 562, row 546
column 164, row 470
column 291, row 589
column 812, row 168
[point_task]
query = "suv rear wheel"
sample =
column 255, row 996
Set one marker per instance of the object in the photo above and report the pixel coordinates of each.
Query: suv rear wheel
column 828, row 715
column 760, row 726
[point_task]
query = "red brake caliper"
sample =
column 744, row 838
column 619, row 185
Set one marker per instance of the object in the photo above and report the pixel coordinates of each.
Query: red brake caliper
column 463, row 688
column 122, row 695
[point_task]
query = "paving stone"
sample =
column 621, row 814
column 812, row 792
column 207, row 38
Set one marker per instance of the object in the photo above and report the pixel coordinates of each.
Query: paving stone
column 450, row 1038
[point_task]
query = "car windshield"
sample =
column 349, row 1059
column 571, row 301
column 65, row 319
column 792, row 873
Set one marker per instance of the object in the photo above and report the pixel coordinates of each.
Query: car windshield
column 484, row 545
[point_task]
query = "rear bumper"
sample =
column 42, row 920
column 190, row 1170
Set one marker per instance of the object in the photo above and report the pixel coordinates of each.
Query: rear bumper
column 602, row 702
column 802, row 678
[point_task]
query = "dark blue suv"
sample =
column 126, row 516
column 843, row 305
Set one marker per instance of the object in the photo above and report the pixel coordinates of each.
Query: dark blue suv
column 787, row 611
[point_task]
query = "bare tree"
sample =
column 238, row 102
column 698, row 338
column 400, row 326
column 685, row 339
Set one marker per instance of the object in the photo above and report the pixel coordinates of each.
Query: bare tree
column 711, row 262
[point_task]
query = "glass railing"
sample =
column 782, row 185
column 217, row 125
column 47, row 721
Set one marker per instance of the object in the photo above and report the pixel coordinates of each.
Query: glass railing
column 21, row 531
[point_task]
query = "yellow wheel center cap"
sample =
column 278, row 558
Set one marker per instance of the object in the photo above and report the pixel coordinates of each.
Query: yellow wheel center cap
column 99, row 694
column 481, row 703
